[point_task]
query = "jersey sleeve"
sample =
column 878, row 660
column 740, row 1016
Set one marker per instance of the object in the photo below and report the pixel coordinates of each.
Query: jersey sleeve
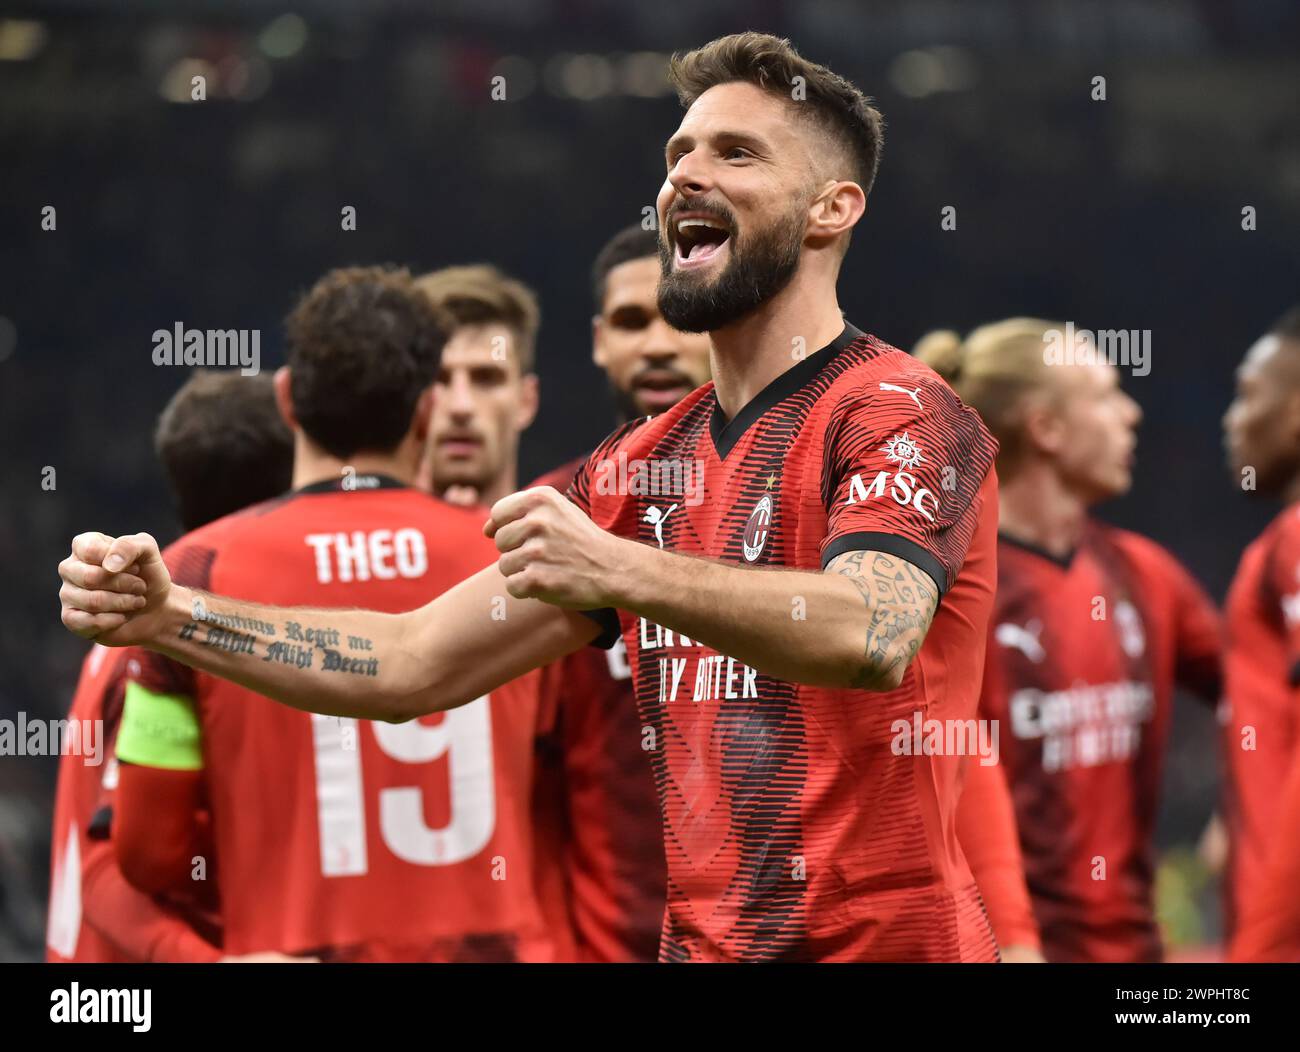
column 1197, row 629
column 1199, row 659
column 136, row 924
column 156, row 831
column 1281, row 587
column 585, row 485
column 1270, row 927
column 902, row 474
column 986, row 829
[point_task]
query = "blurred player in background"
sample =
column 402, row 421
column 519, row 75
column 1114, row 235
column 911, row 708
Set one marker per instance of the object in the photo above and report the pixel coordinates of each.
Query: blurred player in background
column 1262, row 727
column 223, row 446
column 342, row 839
column 486, row 394
column 596, row 772
column 1093, row 626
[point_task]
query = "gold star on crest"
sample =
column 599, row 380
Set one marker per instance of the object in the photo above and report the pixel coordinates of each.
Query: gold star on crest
column 771, row 481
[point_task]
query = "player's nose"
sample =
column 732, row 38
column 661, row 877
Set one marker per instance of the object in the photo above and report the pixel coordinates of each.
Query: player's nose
column 690, row 175
column 1134, row 412
column 460, row 395
column 657, row 348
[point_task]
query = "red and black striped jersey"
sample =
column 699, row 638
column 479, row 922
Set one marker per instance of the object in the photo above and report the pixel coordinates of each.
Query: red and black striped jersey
column 1262, row 725
column 598, row 802
column 1083, row 656
column 795, row 828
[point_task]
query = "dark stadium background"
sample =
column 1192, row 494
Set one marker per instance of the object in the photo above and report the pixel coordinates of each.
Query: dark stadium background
column 1123, row 214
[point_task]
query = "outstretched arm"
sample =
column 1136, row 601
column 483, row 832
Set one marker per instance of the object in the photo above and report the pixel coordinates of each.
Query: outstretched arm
column 357, row 663
column 858, row 624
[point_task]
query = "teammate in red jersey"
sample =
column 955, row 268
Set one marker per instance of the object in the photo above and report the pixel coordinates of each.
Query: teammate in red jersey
column 781, row 610
column 596, row 768
column 339, row 839
column 222, row 446
column 1092, row 628
column 487, row 392
column 1262, row 729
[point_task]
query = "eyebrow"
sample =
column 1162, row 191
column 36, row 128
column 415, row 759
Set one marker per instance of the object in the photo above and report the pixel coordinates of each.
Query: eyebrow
column 735, row 138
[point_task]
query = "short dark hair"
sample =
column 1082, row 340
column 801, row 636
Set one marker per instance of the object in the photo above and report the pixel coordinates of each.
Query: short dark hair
column 223, row 445
column 632, row 242
column 479, row 294
column 363, row 344
column 1288, row 326
column 842, row 112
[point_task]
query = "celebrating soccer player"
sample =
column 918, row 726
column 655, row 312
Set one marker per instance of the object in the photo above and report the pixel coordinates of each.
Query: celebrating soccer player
column 599, row 806
column 1092, row 628
column 335, row 838
column 1262, row 729
column 222, row 446
column 798, row 556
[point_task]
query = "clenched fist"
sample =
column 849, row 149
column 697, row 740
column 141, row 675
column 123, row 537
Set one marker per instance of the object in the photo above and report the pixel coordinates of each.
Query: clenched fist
column 551, row 551
column 114, row 589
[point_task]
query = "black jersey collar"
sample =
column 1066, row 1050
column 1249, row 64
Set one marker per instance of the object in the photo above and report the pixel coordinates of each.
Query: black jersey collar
column 726, row 433
column 349, row 483
column 1063, row 561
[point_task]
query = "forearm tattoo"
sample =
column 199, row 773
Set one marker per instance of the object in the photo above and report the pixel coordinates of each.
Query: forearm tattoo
column 293, row 643
column 900, row 602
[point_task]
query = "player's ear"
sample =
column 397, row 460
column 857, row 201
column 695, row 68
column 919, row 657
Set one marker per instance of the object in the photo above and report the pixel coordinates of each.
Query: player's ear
column 529, row 401
column 837, row 209
column 598, row 340
column 1044, row 428
column 284, row 398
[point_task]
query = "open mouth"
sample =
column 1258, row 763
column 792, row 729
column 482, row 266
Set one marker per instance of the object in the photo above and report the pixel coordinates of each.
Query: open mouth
column 699, row 239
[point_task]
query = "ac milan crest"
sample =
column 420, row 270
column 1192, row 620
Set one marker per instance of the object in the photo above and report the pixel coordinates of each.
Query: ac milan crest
column 757, row 528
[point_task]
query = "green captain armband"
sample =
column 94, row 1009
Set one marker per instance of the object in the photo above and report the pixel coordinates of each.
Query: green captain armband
column 159, row 730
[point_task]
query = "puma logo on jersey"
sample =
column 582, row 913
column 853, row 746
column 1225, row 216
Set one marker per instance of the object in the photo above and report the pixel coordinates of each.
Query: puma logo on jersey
column 657, row 518
column 914, row 393
column 1023, row 639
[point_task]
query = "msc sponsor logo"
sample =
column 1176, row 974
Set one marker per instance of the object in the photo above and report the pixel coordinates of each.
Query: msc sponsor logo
column 902, row 486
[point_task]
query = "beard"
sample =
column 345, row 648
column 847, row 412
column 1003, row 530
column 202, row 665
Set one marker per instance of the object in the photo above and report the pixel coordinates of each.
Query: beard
column 625, row 403
column 757, row 270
